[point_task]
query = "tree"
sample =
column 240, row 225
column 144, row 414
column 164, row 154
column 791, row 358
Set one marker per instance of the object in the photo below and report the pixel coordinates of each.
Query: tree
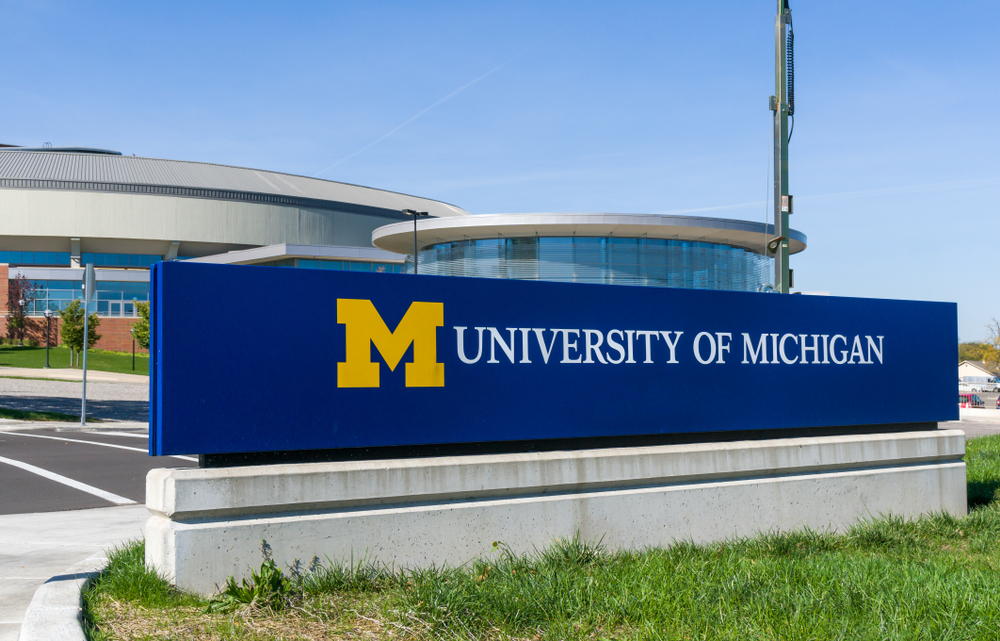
column 991, row 348
column 140, row 329
column 971, row 351
column 72, row 327
column 21, row 292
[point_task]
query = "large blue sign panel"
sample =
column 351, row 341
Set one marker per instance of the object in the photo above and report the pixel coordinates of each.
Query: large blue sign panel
column 259, row 359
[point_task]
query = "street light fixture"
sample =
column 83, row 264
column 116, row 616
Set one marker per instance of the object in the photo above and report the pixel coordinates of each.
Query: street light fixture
column 48, row 326
column 416, row 214
column 20, row 339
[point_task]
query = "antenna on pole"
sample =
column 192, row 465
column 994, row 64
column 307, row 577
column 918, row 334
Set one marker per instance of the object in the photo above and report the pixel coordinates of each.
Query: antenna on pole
column 782, row 106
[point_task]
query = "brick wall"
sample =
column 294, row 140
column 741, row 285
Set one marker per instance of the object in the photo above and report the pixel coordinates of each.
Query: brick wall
column 4, row 286
column 114, row 333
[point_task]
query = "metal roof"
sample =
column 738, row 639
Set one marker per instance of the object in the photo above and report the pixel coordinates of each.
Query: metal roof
column 290, row 250
column 398, row 237
column 103, row 172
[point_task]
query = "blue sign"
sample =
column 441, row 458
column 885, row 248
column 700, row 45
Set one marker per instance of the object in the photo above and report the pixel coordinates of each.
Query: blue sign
column 263, row 359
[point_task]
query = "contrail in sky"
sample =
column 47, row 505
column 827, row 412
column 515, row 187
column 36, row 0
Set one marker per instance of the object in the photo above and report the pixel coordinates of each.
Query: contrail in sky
column 421, row 113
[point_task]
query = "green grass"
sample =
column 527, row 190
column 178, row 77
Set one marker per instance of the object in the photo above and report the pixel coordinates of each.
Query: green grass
column 982, row 459
column 13, row 356
column 25, row 415
column 937, row 577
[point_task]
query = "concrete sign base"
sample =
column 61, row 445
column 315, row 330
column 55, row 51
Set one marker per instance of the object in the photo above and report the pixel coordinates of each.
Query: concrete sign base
column 208, row 524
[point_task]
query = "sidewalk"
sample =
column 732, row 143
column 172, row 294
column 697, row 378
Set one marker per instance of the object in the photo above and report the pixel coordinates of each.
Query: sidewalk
column 979, row 415
column 12, row 425
column 36, row 547
column 66, row 374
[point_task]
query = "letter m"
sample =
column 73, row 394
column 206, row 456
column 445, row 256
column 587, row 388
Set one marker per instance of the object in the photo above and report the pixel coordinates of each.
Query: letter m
column 364, row 326
column 760, row 352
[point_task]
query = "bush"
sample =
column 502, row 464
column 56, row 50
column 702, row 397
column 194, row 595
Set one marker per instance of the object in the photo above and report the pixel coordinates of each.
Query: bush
column 32, row 342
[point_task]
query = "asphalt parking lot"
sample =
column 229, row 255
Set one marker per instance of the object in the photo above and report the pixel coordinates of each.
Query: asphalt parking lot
column 50, row 470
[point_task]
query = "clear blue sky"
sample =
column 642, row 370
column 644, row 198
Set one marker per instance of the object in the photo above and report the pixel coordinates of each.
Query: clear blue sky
column 587, row 106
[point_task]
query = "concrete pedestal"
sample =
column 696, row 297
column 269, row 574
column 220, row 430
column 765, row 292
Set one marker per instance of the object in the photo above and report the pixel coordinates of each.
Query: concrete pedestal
column 208, row 524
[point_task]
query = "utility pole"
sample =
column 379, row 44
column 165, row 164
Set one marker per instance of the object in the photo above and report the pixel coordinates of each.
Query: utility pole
column 782, row 106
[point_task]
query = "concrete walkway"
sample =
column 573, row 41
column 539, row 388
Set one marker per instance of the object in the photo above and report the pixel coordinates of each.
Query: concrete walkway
column 11, row 425
column 36, row 547
column 67, row 374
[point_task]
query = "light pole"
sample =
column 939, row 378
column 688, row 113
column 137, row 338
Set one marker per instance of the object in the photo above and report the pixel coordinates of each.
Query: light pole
column 783, row 107
column 416, row 214
column 132, row 332
column 20, row 334
column 48, row 327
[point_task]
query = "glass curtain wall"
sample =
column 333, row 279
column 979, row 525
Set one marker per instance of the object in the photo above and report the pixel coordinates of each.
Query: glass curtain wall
column 114, row 298
column 649, row 262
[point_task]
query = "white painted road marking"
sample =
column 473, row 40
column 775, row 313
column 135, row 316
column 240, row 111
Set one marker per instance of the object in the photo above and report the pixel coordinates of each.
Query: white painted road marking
column 77, row 440
column 129, row 434
column 59, row 478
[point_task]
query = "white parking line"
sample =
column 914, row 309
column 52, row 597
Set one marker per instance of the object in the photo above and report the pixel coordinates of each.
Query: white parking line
column 129, row 434
column 78, row 440
column 59, row 478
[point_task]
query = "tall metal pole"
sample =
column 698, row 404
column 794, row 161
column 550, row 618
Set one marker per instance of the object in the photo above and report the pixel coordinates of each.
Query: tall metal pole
column 779, row 106
column 48, row 334
column 89, row 285
column 415, row 214
column 86, row 334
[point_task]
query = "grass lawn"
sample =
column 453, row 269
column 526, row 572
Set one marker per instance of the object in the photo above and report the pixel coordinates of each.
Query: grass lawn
column 26, row 415
column 933, row 578
column 13, row 356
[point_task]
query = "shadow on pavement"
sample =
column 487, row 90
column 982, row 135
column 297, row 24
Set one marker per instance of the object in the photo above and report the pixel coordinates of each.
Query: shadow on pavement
column 111, row 410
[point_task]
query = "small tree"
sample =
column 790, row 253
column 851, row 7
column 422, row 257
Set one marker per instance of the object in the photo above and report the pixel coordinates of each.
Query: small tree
column 21, row 292
column 72, row 328
column 141, row 327
column 991, row 348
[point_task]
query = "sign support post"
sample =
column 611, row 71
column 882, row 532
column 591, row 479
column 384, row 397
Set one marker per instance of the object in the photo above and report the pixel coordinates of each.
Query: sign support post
column 88, row 295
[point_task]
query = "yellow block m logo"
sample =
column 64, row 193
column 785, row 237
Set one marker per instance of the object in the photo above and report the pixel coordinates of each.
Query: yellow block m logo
column 364, row 326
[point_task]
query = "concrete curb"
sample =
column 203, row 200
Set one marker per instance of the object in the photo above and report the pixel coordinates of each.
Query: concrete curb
column 9, row 425
column 56, row 611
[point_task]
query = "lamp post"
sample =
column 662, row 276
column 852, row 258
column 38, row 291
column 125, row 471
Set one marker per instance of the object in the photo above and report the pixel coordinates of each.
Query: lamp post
column 782, row 105
column 20, row 334
column 48, row 326
column 416, row 214
column 132, row 332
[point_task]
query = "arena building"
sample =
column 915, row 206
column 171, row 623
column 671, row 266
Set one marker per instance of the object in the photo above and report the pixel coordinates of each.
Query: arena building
column 62, row 208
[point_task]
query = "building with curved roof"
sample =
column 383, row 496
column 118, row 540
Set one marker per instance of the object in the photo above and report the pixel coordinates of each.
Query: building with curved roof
column 624, row 249
column 69, row 203
column 62, row 208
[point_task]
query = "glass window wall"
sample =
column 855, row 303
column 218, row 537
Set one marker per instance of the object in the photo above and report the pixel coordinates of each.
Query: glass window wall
column 119, row 260
column 352, row 265
column 53, row 259
column 620, row 261
column 113, row 298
